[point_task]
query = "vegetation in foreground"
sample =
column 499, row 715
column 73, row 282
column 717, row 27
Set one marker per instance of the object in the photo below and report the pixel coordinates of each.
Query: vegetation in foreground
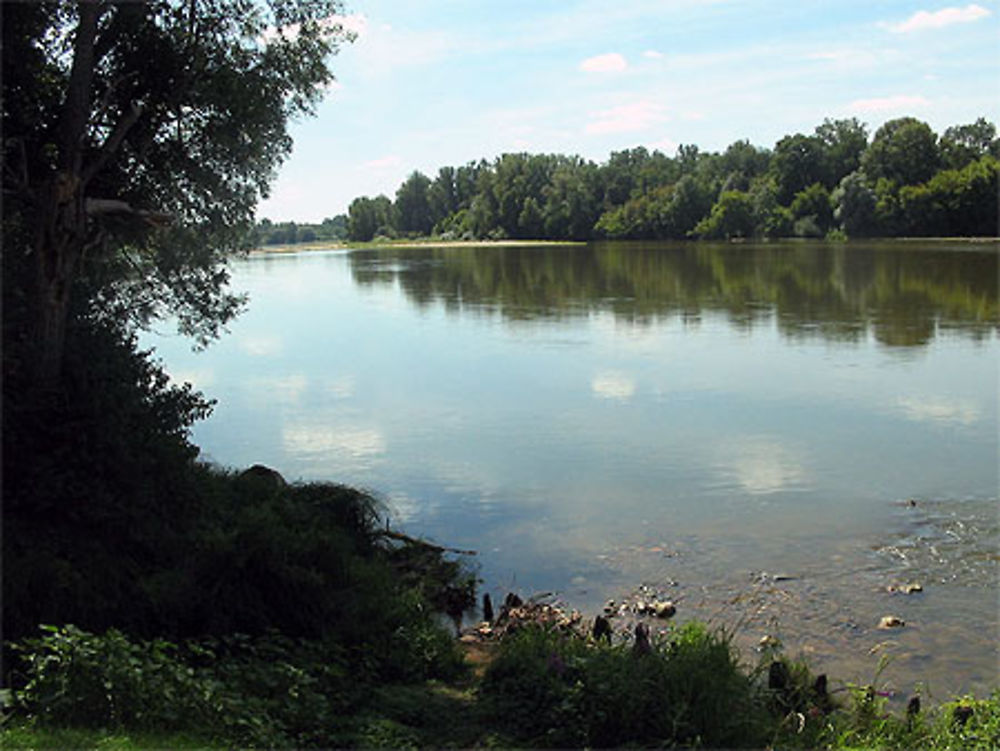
column 543, row 688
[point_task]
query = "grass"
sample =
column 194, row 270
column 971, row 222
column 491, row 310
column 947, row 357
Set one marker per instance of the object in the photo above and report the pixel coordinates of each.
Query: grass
column 27, row 737
column 539, row 688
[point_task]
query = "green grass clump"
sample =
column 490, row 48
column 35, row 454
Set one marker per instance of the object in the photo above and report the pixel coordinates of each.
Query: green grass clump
column 33, row 738
column 552, row 689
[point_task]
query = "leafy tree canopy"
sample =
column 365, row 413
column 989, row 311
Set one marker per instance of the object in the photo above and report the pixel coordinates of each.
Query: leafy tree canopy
column 139, row 137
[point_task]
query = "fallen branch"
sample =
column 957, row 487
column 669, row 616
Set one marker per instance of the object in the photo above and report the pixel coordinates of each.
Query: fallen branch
column 393, row 535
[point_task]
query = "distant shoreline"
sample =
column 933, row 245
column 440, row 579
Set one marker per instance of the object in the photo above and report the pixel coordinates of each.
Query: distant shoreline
column 431, row 243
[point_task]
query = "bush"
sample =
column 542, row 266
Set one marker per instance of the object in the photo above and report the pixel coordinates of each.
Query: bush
column 548, row 688
column 78, row 679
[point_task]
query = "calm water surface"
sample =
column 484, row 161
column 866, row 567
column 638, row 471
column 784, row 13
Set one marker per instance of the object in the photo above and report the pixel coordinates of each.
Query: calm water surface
column 703, row 420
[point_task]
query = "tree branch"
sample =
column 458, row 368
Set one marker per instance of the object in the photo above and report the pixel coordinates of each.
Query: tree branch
column 76, row 108
column 113, row 141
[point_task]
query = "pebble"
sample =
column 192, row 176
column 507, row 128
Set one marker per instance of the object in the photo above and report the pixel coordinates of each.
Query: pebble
column 906, row 589
column 891, row 621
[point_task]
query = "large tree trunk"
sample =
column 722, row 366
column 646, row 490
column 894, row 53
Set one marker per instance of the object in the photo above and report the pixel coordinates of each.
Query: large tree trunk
column 61, row 222
column 59, row 241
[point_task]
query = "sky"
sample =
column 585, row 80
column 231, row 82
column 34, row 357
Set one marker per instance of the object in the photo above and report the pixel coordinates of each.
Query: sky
column 433, row 83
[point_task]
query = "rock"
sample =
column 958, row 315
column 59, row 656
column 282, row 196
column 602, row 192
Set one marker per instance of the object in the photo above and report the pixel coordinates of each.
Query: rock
column 487, row 608
column 777, row 676
column 961, row 714
column 665, row 609
column 640, row 607
column 609, row 608
column 891, row 621
column 642, row 645
column 512, row 601
column 784, row 577
column 602, row 629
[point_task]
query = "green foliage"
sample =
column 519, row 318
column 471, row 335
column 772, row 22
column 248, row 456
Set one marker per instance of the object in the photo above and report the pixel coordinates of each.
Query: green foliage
column 265, row 691
column 813, row 204
column 903, row 150
column 854, row 205
column 962, row 144
column 332, row 229
column 367, row 216
column 799, row 161
column 78, row 679
column 732, row 216
column 553, row 689
column 30, row 737
column 412, row 209
column 637, row 194
column 954, row 202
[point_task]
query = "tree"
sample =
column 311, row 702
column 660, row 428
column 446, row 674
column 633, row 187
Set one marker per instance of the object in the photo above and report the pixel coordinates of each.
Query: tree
column 138, row 140
column 854, row 205
column 962, row 144
column 903, row 150
column 367, row 217
column 413, row 211
column 798, row 162
column 844, row 141
column 812, row 207
column 732, row 216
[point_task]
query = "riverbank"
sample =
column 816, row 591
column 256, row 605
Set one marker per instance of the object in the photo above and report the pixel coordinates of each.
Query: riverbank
column 546, row 683
column 418, row 243
column 428, row 242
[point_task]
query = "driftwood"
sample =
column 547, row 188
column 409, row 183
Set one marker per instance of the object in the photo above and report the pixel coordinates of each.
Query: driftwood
column 393, row 535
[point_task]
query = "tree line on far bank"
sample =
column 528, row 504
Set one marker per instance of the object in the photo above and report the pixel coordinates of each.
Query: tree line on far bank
column 904, row 181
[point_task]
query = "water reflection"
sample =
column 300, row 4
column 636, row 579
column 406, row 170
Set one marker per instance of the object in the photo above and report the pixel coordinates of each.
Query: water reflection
column 901, row 295
column 689, row 416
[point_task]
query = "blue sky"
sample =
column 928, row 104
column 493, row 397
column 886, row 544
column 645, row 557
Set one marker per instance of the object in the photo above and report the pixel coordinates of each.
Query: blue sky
column 429, row 83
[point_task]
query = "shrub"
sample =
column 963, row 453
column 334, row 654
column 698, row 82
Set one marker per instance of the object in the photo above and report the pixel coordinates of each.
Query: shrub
column 552, row 689
column 80, row 679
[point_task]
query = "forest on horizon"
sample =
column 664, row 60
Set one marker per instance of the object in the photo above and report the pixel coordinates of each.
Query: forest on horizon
column 905, row 181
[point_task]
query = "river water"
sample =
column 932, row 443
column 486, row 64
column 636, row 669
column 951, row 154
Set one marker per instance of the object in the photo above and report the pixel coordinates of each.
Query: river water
column 770, row 435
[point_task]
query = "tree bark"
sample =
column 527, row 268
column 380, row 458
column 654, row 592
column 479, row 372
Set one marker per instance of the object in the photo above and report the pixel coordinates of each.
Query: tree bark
column 61, row 221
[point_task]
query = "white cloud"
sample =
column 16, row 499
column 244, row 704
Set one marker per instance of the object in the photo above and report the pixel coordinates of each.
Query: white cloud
column 613, row 385
column 288, row 389
column 666, row 145
column 609, row 63
column 922, row 20
column 762, row 465
column 627, row 118
column 888, row 103
column 940, row 410
column 355, row 442
column 200, row 379
column 262, row 345
column 385, row 162
column 652, row 54
column 341, row 388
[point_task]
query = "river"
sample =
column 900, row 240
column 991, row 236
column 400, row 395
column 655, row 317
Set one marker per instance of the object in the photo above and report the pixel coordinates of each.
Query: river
column 770, row 435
